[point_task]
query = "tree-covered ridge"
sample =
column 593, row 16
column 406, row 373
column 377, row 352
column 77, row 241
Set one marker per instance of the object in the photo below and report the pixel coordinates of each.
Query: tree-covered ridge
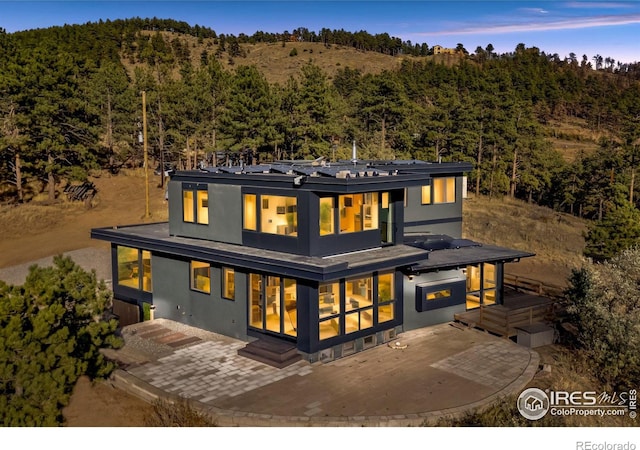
column 70, row 103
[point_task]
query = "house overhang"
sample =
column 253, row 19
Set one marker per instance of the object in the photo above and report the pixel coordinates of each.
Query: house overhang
column 156, row 238
column 460, row 257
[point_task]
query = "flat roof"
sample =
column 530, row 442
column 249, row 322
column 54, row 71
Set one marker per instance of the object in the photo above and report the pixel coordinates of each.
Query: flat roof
column 417, row 256
column 324, row 176
column 156, row 237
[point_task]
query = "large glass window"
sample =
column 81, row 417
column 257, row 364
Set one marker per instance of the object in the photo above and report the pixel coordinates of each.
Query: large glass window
column 250, row 212
column 279, row 215
column 481, row 285
column 329, row 310
column 228, row 283
column 358, row 304
column 195, row 206
column 358, row 212
column 326, row 216
column 275, row 309
column 128, row 267
column 255, row 301
column 201, row 276
column 146, row 270
column 358, row 310
column 386, row 297
column 444, row 190
column 134, row 268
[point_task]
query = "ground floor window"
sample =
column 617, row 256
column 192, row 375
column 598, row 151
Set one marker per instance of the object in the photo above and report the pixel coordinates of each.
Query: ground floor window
column 228, row 283
column 273, row 304
column 201, row 276
column 368, row 300
column 134, row 268
column 481, row 285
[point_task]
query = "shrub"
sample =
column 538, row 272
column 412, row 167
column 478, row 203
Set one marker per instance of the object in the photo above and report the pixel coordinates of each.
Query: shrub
column 604, row 307
column 293, row 52
column 177, row 414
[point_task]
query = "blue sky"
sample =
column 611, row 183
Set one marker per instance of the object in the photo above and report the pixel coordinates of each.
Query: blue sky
column 607, row 28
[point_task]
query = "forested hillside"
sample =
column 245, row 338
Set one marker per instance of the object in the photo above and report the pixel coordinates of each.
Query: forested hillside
column 563, row 133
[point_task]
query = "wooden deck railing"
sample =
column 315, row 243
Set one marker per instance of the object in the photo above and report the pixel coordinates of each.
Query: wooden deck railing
column 503, row 321
column 530, row 285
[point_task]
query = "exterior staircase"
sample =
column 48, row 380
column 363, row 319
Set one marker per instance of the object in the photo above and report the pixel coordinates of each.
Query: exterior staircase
column 274, row 353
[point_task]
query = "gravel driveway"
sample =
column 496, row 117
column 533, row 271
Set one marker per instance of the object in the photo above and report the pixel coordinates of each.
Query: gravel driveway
column 88, row 258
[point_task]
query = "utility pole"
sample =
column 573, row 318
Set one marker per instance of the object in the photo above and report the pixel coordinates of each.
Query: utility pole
column 147, row 214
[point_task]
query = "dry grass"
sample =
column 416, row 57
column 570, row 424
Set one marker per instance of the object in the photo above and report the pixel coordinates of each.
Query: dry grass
column 30, row 218
column 557, row 239
column 570, row 149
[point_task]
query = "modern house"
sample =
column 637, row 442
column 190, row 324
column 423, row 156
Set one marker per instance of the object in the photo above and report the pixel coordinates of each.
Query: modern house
column 324, row 258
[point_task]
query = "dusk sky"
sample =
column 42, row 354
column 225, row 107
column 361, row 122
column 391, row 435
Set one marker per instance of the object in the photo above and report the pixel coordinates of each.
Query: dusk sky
column 608, row 28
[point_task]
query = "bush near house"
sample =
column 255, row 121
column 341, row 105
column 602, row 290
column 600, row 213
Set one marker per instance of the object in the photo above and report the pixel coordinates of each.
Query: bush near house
column 51, row 331
column 604, row 308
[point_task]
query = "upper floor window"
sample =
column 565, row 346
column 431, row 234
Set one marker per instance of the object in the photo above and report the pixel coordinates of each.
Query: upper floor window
column 442, row 190
column 195, row 206
column 249, row 206
column 326, row 216
column 358, row 212
column 278, row 214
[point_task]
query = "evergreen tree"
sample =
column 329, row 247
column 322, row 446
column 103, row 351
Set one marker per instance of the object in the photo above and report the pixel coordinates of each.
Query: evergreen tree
column 51, row 331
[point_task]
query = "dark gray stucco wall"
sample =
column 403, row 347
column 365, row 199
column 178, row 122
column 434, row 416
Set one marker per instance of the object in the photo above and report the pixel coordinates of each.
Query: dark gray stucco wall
column 414, row 319
column 417, row 216
column 225, row 213
column 174, row 299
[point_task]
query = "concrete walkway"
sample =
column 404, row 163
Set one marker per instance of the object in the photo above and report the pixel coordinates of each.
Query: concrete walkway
column 443, row 371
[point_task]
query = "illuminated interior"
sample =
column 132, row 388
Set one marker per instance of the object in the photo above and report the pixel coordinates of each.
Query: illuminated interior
column 279, row 215
column 228, row 283
column 188, row 214
column 250, row 219
column 278, row 313
column 326, row 216
column 128, row 267
column 201, row 276
column 201, row 212
column 444, row 190
column 203, row 206
column 133, row 271
column 358, row 212
column 329, row 310
column 386, row 297
column 426, row 195
column 358, row 313
column 358, row 304
column 481, row 289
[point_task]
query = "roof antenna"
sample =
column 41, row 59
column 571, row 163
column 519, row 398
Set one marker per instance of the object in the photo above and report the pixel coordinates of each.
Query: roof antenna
column 354, row 157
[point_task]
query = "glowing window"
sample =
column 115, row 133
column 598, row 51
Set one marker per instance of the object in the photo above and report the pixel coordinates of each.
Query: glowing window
column 201, row 276
column 188, row 214
column 444, row 293
column 426, row 195
column 278, row 215
column 250, row 219
column 203, row 207
column 444, row 190
column 358, row 212
column 326, row 216
column 228, row 283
